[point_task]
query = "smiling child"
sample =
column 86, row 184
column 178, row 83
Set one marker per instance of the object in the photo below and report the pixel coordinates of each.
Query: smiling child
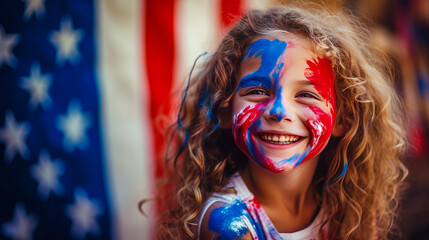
column 291, row 131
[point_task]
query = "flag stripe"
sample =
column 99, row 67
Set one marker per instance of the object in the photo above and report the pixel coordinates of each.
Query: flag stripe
column 124, row 99
column 159, row 57
column 230, row 11
column 197, row 23
column 108, row 68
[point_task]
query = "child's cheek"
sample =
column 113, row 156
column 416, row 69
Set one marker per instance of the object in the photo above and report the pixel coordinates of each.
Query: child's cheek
column 243, row 122
column 320, row 122
column 320, row 125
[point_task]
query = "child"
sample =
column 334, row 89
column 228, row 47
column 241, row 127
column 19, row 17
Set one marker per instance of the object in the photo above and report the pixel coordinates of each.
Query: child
column 292, row 130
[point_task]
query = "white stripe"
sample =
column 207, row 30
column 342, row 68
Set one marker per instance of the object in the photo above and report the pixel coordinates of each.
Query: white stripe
column 196, row 32
column 257, row 4
column 124, row 115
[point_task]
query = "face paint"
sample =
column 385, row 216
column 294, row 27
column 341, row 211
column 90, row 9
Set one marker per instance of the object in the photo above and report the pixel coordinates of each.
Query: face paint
column 247, row 121
column 243, row 123
column 320, row 122
column 317, row 123
column 320, row 73
column 267, row 75
column 230, row 221
column 270, row 53
column 278, row 110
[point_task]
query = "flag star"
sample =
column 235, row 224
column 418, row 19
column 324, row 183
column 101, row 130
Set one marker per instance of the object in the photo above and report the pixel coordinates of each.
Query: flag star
column 66, row 42
column 7, row 43
column 14, row 135
column 36, row 7
column 21, row 226
column 46, row 173
column 37, row 85
column 74, row 125
column 83, row 214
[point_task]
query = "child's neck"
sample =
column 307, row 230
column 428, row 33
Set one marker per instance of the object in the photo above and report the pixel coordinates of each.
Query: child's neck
column 286, row 197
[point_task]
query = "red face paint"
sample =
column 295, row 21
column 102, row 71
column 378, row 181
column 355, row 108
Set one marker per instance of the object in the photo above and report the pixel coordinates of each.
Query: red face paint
column 320, row 73
column 243, row 124
column 320, row 122
column 269, row 105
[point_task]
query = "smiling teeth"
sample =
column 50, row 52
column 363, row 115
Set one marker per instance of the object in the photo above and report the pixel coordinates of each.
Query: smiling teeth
column 279, row 139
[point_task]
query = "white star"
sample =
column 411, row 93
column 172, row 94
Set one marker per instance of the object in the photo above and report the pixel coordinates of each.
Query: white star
column 36, row 7
column 46, row 173
column 21, row 226
column 74, row 125
column 7, row 42
column 66, row 42
column 83, row 214
column 14, row 135
column 37, row 85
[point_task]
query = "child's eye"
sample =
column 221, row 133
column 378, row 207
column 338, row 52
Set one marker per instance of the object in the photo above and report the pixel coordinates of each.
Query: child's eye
column 256, row 92
column 308, row 95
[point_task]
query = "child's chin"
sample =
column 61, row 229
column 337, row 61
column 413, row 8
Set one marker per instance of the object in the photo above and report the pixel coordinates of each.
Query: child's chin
column 287, row 167
column 273, row 166
column 282, row 164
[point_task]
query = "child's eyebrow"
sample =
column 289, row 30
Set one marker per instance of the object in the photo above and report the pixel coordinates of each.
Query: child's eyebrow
column 305, row 82
column 251, row 80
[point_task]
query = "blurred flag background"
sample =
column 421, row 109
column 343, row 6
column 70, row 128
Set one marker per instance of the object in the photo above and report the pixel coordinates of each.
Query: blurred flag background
column 86, row 88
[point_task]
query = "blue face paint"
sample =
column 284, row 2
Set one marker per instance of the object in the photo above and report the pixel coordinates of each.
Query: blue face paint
column 288, row 160
column 278, row 110
column 269, row 52
column 255, row 150
column 296, row 158
column 252, row 81
column 230, row 221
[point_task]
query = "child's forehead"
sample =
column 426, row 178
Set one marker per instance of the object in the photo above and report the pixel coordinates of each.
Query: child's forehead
column 287, row 48
column 292, row 40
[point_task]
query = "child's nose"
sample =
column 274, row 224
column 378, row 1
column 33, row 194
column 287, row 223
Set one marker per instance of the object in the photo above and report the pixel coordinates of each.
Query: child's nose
column 278, row 110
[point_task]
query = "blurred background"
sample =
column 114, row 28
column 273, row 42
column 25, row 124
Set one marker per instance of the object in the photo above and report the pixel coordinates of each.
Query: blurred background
column 86, row 88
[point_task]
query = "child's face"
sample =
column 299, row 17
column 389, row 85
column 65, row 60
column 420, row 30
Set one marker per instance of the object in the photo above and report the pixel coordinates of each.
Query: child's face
column 284, row 107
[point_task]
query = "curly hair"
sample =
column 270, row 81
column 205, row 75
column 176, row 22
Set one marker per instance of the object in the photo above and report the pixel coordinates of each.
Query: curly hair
column 358, row 204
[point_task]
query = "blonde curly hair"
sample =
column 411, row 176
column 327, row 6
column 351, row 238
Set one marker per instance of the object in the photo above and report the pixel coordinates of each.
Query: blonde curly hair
column 358, row 204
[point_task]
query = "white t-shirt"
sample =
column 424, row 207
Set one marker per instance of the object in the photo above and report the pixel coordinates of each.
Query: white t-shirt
column 250, row 216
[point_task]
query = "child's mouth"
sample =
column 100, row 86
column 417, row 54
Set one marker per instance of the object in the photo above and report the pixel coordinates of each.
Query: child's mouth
column 278, row 138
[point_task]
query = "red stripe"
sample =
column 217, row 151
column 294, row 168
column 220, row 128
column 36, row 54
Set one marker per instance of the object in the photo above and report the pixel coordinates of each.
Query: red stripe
column 159, row 58
column 230, row 12
column 160, row 55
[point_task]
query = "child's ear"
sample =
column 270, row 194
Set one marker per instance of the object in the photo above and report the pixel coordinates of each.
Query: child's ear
column 225, row 118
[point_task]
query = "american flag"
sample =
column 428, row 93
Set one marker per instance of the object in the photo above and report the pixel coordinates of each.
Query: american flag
column 81, row 85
